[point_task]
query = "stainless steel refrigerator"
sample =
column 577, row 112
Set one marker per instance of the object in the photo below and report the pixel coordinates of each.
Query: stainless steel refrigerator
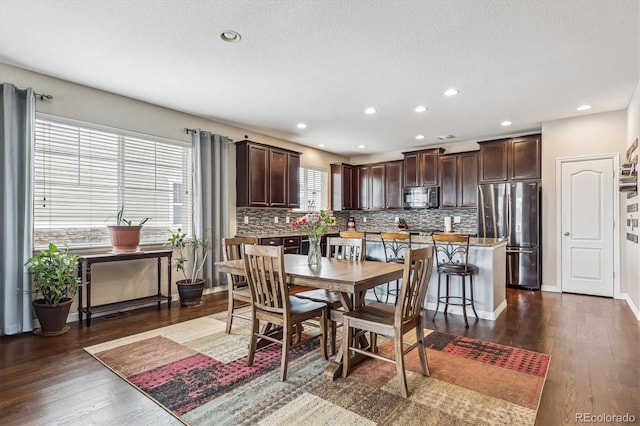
column 512, row 211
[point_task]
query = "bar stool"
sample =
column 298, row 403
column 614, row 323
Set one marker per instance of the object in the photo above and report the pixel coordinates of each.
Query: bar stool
column 451, row 258
column 395, row 244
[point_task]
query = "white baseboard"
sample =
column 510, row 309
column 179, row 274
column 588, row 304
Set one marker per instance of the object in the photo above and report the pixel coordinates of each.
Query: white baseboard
column 457, row 310
column 632, row 306
column 551, row 288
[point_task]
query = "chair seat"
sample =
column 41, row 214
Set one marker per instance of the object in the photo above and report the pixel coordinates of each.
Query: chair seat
column 456, row 268
column 242, row 292
column 301, row 306
column 377, row 313
column 332, row 299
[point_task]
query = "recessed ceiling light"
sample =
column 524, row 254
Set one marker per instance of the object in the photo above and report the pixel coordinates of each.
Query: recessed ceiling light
column 506, row 123
column 451, row 92
column 321, row 145
column 584, row 107
column 445, row 137
column 420, row 137
column 421, row 108
column 301, row 126
column 361, row 146
column 370, row 110
column 230, row 36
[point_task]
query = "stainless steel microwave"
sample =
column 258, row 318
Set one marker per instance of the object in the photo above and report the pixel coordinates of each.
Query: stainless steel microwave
column 424, row 197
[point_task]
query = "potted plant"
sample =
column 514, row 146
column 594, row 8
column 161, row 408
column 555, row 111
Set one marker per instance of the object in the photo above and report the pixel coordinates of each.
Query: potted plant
column 194, row 250
column 55, row 282
column 125, row 237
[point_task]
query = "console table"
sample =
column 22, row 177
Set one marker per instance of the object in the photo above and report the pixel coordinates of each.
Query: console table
column 85, row 263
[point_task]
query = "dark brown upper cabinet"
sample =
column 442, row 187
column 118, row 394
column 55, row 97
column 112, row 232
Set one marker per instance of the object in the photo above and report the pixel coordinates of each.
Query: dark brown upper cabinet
column 377, row 185
column 342, row 187
column 459, row 179
column 393, row 184
column 266, row 176
column 510, row 159
column 421, row 167
column 362, row 187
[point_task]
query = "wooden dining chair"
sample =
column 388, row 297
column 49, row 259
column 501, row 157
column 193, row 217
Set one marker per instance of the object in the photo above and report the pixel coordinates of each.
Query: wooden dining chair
column 238, row 288
column 271, row 303
column 378, row 318
column 337, row 248
column 394, row 244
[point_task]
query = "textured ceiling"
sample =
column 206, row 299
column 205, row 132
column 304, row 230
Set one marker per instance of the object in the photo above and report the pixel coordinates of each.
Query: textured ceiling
column 323, row 62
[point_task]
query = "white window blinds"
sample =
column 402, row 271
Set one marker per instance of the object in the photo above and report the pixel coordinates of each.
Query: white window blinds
column 313, row 189
column 84, row 174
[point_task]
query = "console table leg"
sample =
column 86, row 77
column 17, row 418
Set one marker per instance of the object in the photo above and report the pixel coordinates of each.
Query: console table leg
column 88, row 294
column 80, row 279
column 169, row 280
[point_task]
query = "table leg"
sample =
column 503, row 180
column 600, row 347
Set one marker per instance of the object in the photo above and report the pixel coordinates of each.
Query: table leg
column 159, row 281
column 81, row 280
column 88, row 294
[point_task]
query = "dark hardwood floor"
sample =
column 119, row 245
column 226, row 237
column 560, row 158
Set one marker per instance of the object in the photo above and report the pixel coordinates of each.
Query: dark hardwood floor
column 594, row 345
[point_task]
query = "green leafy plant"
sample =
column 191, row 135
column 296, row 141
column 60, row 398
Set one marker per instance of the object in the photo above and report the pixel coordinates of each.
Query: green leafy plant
column 121, row 221
column 54, row 273
column 195, row 248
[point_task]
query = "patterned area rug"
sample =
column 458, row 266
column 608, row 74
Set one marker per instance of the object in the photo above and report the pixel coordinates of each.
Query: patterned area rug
column 199, row 374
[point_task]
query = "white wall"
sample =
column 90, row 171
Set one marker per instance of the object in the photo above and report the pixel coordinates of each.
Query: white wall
column 573, row 137
column 118, row 281
column 630, row 287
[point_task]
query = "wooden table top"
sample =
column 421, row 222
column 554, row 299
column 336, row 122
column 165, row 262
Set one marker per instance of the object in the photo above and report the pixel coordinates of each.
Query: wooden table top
column 344, row 276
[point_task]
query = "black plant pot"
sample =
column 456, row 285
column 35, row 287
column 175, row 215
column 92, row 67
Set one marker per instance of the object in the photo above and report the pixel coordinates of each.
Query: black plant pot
column 52, row 318
column 190, row 291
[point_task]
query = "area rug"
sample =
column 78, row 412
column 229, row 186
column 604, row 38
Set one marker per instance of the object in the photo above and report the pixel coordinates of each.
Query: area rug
column 199, row 374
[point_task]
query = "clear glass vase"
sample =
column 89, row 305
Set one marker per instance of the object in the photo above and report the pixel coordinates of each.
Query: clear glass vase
column 314, row 258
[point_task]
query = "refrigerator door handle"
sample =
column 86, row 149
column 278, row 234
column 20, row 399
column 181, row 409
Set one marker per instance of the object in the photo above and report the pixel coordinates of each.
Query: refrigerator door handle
column 519, row 251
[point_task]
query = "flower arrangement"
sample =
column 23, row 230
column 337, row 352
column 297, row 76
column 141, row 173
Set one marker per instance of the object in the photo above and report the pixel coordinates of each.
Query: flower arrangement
column 315, row 224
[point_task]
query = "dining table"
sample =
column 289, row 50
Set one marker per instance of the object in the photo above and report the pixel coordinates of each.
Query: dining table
column 348, row 278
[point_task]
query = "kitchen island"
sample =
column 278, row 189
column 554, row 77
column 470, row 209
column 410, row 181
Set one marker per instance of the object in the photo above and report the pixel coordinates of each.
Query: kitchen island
column 487, row 254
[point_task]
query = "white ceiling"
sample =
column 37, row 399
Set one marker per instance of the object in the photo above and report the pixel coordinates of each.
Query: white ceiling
column 322, row 62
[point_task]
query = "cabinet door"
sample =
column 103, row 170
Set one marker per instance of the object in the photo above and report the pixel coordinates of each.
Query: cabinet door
column 493, row 161
column 468, row 178
column 428, row 167
column 293, row 180
column 347, row 188
column 393, row 184
column 448, row 180
column 362, row 187
column 377, row 172
column 411, row 175
column 278, row 178
column 525, row 157
column 258, row 176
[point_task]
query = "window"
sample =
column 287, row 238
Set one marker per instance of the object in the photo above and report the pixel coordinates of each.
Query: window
column 85, row 173
column 313, row 189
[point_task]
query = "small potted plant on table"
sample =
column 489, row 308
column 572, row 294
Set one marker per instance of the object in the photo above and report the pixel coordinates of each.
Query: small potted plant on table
column 55, row 280
column 194, row 250
column 125, row 237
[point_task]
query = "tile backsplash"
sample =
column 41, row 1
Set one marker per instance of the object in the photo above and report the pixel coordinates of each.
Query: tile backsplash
column 262, row 220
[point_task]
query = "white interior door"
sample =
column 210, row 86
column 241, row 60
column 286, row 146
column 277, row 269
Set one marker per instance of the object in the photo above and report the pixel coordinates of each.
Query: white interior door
column 587, row 227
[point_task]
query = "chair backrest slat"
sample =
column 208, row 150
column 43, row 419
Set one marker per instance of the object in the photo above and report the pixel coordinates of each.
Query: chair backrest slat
column 415, row 282
column 345, row 248
column 264, row 269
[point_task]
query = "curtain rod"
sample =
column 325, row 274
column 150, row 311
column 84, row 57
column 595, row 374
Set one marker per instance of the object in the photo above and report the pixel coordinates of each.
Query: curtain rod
column 43, row 96
column 188, row 130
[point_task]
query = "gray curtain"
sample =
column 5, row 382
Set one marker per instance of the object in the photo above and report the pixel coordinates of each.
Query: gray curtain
column 211, row 197
column 17, row 122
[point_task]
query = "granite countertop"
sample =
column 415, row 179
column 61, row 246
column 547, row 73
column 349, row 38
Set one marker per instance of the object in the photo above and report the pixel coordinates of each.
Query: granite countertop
column 375, row 236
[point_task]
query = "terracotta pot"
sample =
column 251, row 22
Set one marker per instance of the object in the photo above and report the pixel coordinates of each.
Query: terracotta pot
column 52, row 318
column 125, row 239
column 190, row 292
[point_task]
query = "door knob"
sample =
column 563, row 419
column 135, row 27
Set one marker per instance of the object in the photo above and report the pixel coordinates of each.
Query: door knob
column 566, row 234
